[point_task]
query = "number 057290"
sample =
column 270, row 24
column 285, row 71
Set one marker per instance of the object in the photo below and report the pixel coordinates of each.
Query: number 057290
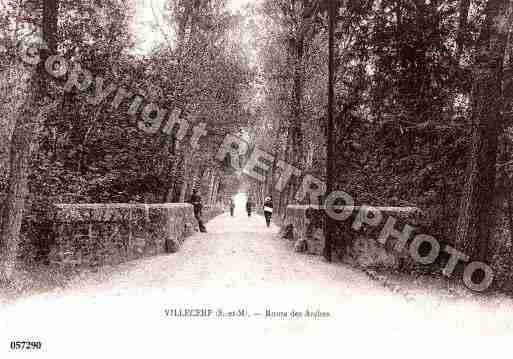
column 25, row 345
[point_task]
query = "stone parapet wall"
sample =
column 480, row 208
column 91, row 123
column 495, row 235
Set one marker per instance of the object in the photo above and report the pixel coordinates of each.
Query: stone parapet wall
column 98, row 234
column 305, row 226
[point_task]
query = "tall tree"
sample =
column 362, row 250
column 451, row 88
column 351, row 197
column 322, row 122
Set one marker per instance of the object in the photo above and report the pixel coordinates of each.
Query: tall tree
column 20, row 147
column 329, row 232
column 476, row 216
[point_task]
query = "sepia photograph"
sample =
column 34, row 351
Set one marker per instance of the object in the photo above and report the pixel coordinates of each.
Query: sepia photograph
column 256, row 178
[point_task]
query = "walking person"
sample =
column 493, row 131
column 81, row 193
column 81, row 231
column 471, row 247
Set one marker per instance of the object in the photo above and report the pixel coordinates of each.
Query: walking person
column 268, row 210
column 195, row 200
column 232, row 207
column 249, row 206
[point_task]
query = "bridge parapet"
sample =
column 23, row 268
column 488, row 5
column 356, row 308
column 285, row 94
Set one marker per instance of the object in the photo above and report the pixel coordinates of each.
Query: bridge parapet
column 304, row 224
column 98, row 234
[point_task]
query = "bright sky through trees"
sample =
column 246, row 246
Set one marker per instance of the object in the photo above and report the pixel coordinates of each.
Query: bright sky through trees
column 149, row 18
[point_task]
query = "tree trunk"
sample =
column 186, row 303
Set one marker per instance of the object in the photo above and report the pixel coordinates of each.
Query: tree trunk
column 462, row 29
column 20, row 150
column 476, row 217
column 211, row 184
column 330, row 158
column 216, row 188
column 12, row 210
column 296, row 131
column 460, row 46
column 185, row 176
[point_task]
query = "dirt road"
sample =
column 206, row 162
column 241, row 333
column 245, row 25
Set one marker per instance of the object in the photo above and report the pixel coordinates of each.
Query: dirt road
column 242, row 269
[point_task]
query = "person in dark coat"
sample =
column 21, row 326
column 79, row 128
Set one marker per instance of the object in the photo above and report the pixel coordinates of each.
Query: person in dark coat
column 195, row 200
column 249, row 206
column 268, row 210
column 232, row 207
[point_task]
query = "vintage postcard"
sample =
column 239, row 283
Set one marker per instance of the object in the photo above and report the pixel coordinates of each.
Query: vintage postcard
column 256, row 178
